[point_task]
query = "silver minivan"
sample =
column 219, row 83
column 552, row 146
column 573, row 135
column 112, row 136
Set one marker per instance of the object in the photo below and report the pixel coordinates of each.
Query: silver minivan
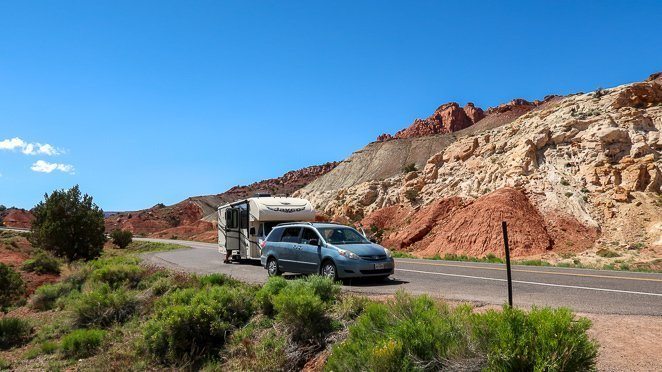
column 332, row 250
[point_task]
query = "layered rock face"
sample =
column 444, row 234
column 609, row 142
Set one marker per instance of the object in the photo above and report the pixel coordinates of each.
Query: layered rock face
column 195, row 217
column 587, row 164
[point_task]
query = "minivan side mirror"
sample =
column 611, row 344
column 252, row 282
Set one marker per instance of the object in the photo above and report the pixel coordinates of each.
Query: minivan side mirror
column 314, row 242
column 373, row 240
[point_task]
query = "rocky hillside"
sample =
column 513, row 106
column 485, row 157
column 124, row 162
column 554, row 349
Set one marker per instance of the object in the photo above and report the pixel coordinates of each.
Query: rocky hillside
column 16, row 218
column 194, row 217
column 576, row 175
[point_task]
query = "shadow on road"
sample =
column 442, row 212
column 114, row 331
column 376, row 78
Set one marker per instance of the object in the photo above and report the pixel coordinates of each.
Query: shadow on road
column 357, row 282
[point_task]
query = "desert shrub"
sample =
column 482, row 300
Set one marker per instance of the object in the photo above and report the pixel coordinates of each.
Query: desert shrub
column 121, row 238
column 411, row 195
column 42, row 262
column 117, row 275
column 409, row 168
column 104, row 306
column 217, row 279
column 162, row 285
column 44, row 297
column 14, row 332
column 69, row 225
column 190, row 323
column 302, row 312
column 607, row 253
column 540, row 340
column 256, row 349
column 409, row 333
column 264, row 297
column 82, row 343
column 350, row 307
column 11, row 286
column 4, row 365
column 321, row 286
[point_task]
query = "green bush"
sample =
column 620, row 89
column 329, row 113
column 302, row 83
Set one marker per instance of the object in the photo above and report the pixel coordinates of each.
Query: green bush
column 302, row 312
column 217, row 279
column 264, row 297
column 43, row 263
column 541, row 340
column 117, row 275
column 44, row 297
column 188, row 324
column 121, row 238
column 11, row 286
column 104, row 306
column 415, row 333
column 14, row 332
column 82, row 343
column 410, row 333
column 69, row 225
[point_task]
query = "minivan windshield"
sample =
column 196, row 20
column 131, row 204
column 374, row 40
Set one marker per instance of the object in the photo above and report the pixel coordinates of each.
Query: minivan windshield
column 342, row 235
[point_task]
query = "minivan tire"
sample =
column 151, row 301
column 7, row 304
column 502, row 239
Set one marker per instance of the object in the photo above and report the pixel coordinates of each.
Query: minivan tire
column 329, row 270
column 272, row 267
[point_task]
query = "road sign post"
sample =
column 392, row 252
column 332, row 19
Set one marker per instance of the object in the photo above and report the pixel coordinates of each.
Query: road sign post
column 510, row 280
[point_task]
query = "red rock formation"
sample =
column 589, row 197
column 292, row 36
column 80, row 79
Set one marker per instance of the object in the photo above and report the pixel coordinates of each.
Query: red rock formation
column 17, row 218
column 473, row 228
column 474, row 113
column 449, row 117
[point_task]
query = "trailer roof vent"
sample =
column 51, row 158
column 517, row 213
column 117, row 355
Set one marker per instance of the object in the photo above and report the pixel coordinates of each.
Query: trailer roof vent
column 262, row 195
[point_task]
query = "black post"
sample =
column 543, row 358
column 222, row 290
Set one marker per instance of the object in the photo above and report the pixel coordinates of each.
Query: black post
column 510, row 280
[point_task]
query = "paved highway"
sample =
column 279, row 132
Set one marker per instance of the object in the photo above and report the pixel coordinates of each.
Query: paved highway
column 593, row 291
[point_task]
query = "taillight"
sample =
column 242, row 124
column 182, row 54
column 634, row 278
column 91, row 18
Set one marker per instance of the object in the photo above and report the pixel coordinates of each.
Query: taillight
column 263, row 243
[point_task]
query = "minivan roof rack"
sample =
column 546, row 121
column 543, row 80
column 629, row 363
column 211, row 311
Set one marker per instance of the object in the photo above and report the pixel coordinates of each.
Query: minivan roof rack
column 295, row 223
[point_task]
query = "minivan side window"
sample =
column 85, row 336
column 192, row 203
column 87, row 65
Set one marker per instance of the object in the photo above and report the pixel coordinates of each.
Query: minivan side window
column 275, row 235
column 291, row 235
column 307, row 235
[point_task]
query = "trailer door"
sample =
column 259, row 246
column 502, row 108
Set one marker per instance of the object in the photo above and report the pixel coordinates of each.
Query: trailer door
column 232, row 231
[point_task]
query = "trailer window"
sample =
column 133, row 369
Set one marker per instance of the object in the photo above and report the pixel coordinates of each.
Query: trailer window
column 232, row 218
column 291, row 235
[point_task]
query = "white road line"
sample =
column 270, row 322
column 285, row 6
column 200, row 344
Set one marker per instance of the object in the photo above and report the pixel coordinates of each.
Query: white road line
column 534, row 283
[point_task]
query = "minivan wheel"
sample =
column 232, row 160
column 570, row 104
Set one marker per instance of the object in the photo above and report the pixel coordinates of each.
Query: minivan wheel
column 329, row 270
column 272, row 267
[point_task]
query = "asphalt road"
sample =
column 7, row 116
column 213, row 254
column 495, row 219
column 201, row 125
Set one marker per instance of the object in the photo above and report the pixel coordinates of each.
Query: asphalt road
column 592, row 291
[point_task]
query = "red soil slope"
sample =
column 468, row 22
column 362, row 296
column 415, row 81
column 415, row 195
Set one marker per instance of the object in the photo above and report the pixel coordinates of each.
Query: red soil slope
column 473, row 228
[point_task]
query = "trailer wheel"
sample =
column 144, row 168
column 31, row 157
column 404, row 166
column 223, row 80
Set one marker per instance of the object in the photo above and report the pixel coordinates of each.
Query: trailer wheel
column 272, row 267
column 329, row 270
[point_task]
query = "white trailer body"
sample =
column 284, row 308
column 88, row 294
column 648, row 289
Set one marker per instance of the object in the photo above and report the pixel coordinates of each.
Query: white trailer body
column 244, row 223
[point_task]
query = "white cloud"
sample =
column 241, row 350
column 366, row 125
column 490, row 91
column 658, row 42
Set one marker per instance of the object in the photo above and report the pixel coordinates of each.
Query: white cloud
column 46, row 167
column 28, row 148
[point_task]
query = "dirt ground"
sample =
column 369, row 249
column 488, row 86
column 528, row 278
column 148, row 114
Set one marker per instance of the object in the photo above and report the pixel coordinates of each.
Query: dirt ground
column 627, row 342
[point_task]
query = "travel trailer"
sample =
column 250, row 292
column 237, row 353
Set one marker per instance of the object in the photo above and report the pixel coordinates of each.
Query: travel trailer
column 242, row 225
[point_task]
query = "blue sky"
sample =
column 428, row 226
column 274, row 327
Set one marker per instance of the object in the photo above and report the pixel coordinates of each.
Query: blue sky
column 153, row 101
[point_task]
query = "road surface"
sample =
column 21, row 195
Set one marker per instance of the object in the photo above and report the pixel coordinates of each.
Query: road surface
column 592, row 291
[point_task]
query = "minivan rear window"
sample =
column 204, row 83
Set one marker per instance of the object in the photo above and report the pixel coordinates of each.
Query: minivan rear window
column 291, row 235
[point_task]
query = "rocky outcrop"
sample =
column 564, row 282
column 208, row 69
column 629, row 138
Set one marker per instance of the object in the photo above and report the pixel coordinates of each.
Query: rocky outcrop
column 589, row 163
column 447, row 118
